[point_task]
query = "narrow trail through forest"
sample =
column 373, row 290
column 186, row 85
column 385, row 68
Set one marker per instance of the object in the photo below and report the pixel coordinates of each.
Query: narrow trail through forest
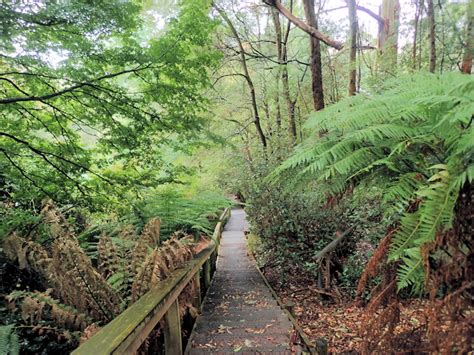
column 239, row 313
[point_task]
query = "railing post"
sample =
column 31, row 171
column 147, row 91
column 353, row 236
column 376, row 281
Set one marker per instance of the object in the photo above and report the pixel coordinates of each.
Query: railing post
column 173, row 342
column 213, row 259
column 197, row 296
column 207, row 274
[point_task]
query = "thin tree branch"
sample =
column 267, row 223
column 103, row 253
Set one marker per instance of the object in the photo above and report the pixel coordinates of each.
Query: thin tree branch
column 303, row 25
column 71, row 88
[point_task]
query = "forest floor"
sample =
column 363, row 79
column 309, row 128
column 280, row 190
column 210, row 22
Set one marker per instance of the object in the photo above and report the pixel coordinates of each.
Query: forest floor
column 341, row 323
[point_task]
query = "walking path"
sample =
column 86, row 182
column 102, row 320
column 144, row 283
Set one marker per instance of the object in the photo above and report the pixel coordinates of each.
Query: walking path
column 239, row 314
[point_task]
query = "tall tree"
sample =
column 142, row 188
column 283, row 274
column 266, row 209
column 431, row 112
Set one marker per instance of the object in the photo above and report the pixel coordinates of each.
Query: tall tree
column 388, row 34
column 246, row 75
column 282, row 55
column 315, row 60
column 469, row 47
column 279, row 49
column 418, row 12
column 351, row 4
column 432, row 34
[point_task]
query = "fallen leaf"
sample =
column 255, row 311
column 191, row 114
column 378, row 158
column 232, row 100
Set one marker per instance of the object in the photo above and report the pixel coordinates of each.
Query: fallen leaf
column 248, row 343
column 237, row 348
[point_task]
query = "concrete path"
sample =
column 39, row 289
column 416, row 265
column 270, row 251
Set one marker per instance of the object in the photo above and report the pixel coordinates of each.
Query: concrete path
column 239, row 314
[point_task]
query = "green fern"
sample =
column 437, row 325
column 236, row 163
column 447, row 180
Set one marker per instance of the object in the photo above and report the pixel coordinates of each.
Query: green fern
column 9, row 342
column 395, row 140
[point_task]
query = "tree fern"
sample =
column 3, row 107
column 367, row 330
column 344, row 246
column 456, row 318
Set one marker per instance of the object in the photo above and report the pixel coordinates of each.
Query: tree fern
column 414, row 142
column 9, row 343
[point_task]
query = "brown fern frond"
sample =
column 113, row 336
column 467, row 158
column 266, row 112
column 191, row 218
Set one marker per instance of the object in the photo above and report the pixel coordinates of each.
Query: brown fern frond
column 138, row 256
column 15, row 249
column 32, row 310
column 107, row 257
column 379, row 329
column 128, row 232
column 151, row 232
column 381, row 296
column 39, row 259
column 141, row 283
column 158, row 265
column 59, row 227
column 187, row 298
column 39, row 308
column 79, row 284
column 372, row 268
column 89, row 332
column 168, row 255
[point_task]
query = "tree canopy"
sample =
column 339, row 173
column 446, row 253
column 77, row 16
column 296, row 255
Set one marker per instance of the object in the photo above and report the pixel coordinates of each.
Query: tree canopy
column 88, row 105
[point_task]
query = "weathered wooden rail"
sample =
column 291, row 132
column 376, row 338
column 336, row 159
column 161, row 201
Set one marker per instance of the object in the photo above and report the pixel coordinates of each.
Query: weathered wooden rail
column 128, row 331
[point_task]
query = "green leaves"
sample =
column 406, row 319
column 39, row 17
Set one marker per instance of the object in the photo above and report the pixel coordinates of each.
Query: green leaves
column 81, row 92
column 179, row 211
column 414, row 142
column 9, row 343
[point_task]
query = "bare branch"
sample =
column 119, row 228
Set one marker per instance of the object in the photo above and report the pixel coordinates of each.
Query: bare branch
column 303, row 25
column 379, row 19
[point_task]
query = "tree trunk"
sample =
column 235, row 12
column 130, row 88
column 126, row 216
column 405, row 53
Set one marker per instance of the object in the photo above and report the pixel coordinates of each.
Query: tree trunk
column 418, row 9
column 283, row 65
column 315, row 62
column 274, row 14
column 469, row 51
column 351, row 4
column 256, row 116
column 388, row 35
column 432, row 38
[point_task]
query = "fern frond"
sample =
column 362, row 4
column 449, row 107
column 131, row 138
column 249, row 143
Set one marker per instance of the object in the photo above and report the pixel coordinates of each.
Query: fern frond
column 391, row 140
column 405, row 236
column 9, row 342
column 411, row 271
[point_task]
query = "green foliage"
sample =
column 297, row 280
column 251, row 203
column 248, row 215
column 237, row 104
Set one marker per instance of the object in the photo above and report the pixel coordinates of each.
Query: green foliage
column 294, row 226
column 89, row 108
column 194, row 213
column 414, row 141
column 16, row 219
column 9, row 343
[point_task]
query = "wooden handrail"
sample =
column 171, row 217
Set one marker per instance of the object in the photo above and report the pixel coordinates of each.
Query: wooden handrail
column 125, row 333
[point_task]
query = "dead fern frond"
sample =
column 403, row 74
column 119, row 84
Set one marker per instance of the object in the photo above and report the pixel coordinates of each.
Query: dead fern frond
column 138, row 257
column 89, row 332
column 128, row 232
column 15, row 249
column 59, row 227
column 39, row 308
column 172, row 255
column 141, row 282
column 28, row 254
column 377, row 259
column 39, row 259
column 379, row 329
column 79, row 284
column 107, row 257
column 151, row 232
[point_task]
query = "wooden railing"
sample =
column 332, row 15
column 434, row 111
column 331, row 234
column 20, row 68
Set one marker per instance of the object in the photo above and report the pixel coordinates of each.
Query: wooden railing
column 128, row 331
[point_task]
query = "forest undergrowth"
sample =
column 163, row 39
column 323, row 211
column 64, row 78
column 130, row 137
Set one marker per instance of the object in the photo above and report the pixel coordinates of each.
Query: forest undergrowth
column 386, row 236
column 59, row 287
